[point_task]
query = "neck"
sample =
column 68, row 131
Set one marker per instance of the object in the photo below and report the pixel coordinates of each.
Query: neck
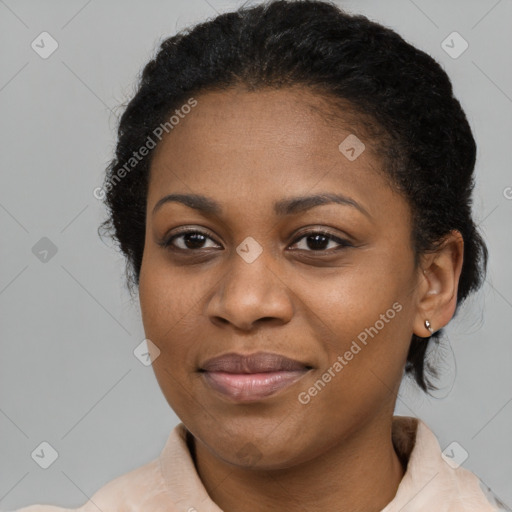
column 359, row 474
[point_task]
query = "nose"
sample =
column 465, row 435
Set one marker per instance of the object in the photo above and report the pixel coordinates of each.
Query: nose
column 249, row 294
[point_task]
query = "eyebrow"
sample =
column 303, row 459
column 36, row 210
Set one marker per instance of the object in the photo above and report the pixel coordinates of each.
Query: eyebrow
column 283, row 207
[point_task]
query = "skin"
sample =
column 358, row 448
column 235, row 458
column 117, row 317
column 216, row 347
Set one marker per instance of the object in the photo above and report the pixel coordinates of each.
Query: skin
column 247, row 150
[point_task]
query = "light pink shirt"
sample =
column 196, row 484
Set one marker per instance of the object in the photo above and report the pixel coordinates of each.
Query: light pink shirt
column 170, row 483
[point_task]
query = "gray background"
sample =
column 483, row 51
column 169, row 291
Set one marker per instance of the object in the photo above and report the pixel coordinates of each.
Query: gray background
column 68, row 374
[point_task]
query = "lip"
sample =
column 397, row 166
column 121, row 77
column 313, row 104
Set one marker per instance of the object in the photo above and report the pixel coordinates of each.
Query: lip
column 259, row 362
column 253, row 377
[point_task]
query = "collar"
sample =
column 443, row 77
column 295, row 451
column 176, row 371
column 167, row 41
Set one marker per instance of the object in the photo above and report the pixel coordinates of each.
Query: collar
column 429, row 483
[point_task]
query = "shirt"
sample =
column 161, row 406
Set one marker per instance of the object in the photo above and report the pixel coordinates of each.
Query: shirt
column 432, row 482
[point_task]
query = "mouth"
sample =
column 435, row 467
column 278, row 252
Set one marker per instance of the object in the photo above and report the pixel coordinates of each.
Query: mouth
column 250, row 378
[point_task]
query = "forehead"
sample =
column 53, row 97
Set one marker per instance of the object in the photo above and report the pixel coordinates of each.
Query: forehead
column 297, row 116
column 265, row 145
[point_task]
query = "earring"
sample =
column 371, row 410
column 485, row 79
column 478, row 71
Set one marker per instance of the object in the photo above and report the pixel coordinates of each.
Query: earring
column 429, row 327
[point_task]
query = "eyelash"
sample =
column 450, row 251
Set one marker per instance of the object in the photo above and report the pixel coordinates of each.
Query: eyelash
column 168, row 243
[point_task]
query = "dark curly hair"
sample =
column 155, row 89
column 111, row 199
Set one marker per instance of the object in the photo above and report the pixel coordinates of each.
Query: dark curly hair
column 402, row 98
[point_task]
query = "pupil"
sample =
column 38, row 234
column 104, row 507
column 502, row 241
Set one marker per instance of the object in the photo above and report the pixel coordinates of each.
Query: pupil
column 194, row 239
column 316, row 239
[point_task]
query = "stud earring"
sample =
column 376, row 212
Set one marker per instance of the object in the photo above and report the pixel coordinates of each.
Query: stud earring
column 428, row 325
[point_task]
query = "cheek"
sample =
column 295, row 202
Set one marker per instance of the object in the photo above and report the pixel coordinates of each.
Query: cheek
column 170, row 307
column 168, row 299
column 166, row 315
column 368, row 314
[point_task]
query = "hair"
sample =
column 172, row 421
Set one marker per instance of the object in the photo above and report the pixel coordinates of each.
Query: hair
column 396, row 93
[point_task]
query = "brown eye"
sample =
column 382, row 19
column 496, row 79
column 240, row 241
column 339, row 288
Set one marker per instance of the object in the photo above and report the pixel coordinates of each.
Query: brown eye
column 190, row 240
column 320, row 240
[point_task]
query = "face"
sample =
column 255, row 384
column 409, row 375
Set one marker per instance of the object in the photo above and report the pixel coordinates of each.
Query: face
column 328, row 284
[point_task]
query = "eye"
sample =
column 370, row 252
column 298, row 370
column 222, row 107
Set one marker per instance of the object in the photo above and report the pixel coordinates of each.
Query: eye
column 193, row 239
column 318, row 241
column 190, row 239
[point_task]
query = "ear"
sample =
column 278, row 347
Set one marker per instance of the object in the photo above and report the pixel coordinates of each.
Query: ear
column 438, row 285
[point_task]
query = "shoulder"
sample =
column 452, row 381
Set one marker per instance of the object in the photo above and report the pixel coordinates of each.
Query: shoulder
column 473, row 495
column 435, row 478
column 142, row 486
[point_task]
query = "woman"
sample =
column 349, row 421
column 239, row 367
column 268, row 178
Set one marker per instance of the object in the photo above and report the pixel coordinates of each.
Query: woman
column 292, row 191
